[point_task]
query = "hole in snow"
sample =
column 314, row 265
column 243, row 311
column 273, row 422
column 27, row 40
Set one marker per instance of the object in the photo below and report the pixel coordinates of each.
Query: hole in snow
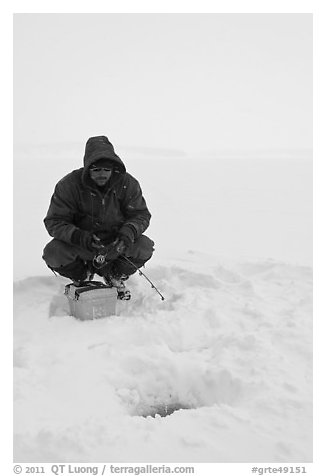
column 162, row 409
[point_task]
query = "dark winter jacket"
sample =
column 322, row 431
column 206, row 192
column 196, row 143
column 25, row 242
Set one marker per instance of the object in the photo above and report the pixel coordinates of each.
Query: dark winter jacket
column 78, row 203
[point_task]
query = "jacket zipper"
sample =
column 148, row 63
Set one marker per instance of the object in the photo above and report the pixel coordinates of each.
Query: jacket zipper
column 103, row 208
column 102, row 200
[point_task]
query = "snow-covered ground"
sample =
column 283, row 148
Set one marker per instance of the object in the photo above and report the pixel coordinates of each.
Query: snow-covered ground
column 231, row 345
column 230, row 348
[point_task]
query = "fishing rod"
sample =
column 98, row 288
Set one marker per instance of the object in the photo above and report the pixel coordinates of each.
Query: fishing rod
column 100, row 260
column 143, row 274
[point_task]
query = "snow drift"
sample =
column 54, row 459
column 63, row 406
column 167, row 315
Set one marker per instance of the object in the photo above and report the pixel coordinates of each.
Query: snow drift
column 229, row 350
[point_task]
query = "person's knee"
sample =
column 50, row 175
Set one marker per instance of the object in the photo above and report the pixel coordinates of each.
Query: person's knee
column 49, row 252
column 143, row 249
column 58, row 253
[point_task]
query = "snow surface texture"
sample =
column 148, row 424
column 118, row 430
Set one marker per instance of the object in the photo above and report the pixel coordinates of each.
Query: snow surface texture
column 230, row 346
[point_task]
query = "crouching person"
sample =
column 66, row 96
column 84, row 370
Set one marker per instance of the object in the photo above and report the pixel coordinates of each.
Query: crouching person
column 97, row 217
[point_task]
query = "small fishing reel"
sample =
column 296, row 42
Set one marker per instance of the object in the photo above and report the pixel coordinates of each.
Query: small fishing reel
column 99, row 260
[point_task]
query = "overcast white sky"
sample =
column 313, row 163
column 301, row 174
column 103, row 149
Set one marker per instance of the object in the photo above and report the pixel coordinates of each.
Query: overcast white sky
column 181, row 81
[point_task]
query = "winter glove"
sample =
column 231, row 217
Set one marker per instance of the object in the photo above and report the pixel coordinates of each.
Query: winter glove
column 118, row 247
column 115, row 249
column 127, row 235
column 86, row 240
column 124, row 243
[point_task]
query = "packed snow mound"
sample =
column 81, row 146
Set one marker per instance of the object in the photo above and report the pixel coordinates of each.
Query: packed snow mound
column 218, row 372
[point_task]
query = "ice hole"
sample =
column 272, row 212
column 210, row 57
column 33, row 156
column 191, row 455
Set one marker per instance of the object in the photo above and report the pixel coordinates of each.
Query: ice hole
column 162, row 409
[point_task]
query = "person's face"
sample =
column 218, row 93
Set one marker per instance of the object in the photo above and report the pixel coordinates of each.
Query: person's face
column 100, row 175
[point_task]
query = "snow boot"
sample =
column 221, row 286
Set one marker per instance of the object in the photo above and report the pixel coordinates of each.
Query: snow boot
column 124, row 293
column 87, row 279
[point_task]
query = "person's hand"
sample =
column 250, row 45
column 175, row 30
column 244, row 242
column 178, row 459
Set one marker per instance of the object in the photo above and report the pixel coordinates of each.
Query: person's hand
column 97, row 243
column 86, row 239
column 114, row 249
column 118, row 247
column 124, row 243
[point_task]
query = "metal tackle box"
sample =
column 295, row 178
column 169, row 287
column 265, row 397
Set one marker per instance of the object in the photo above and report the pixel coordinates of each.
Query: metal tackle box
column 91, row 301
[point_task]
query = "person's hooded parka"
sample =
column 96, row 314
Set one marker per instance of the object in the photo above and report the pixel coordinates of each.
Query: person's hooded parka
column 78, row 203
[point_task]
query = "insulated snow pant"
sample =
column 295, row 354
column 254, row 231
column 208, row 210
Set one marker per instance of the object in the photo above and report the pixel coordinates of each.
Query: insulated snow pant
column 73, row 262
